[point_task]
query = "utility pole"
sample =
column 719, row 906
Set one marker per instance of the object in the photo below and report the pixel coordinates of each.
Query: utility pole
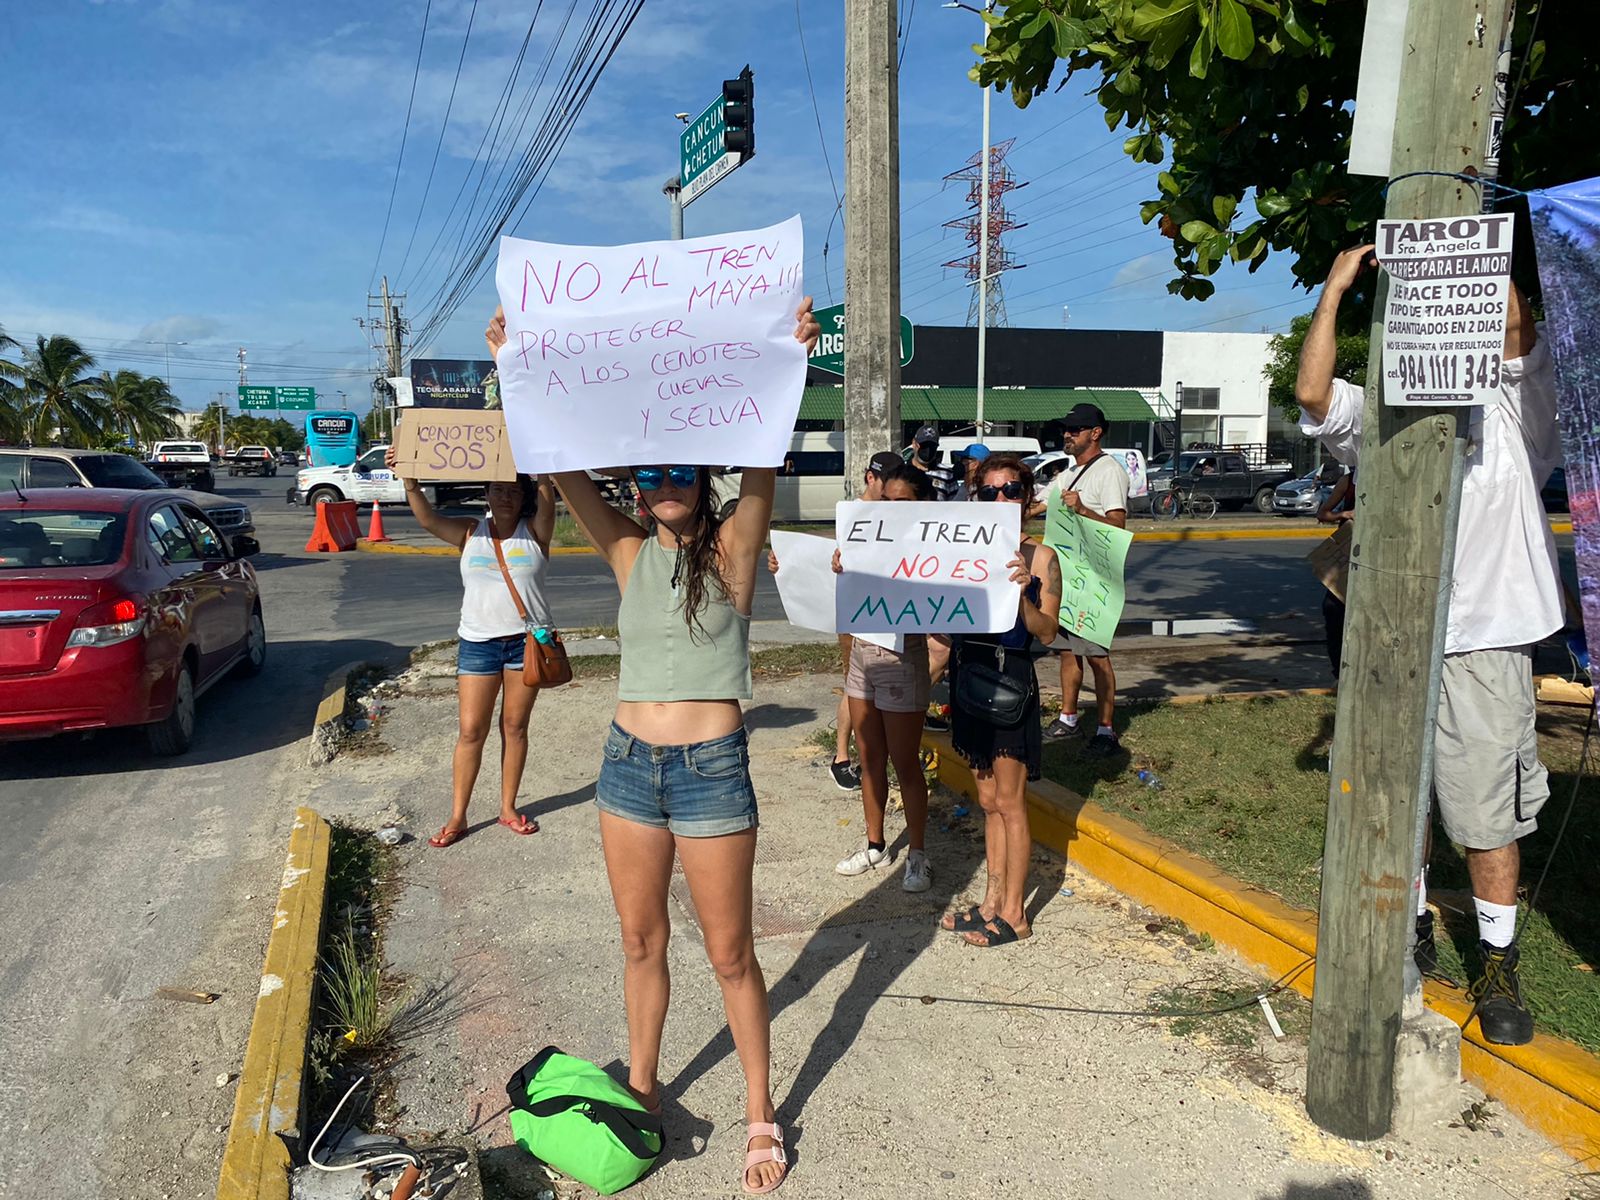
column 1400, row 569
column 983, row 245
column 673, row 191
column 871, row 232
column 391, row 342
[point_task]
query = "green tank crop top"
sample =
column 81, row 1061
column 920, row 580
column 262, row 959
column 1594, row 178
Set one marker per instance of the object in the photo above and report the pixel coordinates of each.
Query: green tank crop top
column 661, row 658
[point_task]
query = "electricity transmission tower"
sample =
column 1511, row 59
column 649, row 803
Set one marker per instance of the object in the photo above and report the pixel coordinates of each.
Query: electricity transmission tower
column 984, row 228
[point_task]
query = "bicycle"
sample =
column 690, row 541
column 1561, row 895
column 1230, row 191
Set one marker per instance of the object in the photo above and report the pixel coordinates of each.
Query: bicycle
column 1176, row 500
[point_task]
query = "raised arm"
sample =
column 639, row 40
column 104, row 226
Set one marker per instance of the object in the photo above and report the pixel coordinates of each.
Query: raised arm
column 1041, row 618
column 1313, row 385
column 544, row 518
column 746, row 533
column 453, row 530
column 614, row 534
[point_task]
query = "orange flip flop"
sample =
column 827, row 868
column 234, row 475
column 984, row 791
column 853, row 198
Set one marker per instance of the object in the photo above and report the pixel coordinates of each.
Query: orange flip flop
column 446, row 837
column 521, row 825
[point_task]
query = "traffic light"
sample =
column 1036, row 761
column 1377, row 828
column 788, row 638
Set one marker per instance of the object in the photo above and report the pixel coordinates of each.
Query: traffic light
column 739, row 115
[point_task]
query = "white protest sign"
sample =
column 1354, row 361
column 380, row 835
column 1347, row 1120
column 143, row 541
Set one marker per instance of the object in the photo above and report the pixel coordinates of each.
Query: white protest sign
column 658, row 352
column 806, row 585
column 926, row 567
column 1445, row 324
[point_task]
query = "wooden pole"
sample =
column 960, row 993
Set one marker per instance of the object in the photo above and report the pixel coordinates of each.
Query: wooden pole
column 871, row 234
column 1407, row 496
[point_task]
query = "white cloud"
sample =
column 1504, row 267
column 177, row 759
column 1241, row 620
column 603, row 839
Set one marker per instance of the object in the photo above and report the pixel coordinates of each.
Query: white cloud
column 180, row 328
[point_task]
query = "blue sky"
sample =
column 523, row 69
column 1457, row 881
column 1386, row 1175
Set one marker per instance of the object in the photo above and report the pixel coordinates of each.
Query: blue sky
column 217, row 172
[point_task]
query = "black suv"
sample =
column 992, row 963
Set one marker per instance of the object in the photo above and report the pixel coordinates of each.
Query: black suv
column 48, row 466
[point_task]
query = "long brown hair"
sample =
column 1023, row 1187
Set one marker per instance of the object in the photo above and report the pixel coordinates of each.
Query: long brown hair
column 697, row 566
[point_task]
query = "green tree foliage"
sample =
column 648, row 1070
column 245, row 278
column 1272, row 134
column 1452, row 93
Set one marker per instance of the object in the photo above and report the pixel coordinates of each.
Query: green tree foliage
column 10, row 389
column 1249, row 101
column 136, row 406
column 60, row 400
column 1283, row 363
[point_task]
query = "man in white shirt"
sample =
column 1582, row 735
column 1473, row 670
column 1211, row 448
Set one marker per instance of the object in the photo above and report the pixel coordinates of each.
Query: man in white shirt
column 1096, row 488
column 1505, row 596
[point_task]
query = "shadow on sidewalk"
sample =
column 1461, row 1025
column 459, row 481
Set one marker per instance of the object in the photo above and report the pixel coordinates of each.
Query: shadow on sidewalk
column 888, row 940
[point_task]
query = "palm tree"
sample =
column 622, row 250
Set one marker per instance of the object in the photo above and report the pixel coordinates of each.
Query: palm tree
column 11, row 399
column 61, row 398
column 211, row 426
column 140, row 407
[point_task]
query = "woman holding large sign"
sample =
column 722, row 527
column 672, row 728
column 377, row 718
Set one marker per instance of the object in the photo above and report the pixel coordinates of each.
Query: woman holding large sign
column 509, row 548
column 995, row 720
column 675, row 777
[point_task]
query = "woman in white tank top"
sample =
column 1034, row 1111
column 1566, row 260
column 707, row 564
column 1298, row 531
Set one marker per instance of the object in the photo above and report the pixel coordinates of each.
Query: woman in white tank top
column 521, row 516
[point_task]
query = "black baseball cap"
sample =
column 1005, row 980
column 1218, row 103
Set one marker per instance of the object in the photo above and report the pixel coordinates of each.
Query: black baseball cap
column 884, row 461
column 1084, row 416
column 925, row 435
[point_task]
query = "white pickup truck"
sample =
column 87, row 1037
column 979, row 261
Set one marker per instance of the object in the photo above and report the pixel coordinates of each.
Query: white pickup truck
column 368, row 481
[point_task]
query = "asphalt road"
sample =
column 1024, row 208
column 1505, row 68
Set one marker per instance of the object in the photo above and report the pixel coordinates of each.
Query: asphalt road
column 121, row 874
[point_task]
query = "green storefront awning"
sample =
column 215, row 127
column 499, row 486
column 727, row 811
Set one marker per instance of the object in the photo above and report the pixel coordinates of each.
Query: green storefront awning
column 999, row 404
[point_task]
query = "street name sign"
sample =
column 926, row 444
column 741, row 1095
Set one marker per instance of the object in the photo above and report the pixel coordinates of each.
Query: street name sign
column 703, row 159
column 829, row 352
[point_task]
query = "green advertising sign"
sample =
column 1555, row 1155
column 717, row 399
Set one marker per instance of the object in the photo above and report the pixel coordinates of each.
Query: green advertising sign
column 277, row 399
column 829, row 352
column 702, row 157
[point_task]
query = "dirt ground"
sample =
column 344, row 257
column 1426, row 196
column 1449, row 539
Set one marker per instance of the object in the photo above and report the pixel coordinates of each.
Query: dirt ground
column 903, row 1058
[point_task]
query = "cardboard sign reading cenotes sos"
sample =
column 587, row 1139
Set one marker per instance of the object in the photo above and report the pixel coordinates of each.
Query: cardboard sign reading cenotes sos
column 658, row 352
column 442, row 443
column 926, row 568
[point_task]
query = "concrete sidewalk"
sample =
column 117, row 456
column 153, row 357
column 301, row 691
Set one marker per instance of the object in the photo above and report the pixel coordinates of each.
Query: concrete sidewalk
column 905, row 1062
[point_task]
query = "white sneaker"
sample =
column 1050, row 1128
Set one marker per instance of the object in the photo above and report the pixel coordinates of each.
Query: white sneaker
column 863, row 860
column 919, row 875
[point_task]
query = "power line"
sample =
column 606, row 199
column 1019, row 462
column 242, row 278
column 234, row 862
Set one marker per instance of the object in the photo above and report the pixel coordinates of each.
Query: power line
column 608, row 24
column 394, row 185
column 480, row 161
column 439, row 145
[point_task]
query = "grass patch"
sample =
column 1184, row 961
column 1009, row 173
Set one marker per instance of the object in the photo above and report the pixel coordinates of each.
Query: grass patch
column 357, row 1007
column 567, row 532
column 774, row 662
column 1245, row 786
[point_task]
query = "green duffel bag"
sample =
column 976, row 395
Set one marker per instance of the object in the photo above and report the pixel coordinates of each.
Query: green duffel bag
column 570, row 1114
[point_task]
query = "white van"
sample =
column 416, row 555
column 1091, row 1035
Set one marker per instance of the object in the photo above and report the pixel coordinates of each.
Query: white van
column 810, row 482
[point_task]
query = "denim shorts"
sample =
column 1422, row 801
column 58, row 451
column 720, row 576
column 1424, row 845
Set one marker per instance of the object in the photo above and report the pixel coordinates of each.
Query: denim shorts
column 700, row 790
column 491, row 657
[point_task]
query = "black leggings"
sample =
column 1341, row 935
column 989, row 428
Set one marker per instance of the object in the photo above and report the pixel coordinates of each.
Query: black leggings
column 1333, row 618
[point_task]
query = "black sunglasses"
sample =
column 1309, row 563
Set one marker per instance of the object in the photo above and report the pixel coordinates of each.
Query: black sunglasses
column 1074, row 429
column 650, row 479
column 1012, row 489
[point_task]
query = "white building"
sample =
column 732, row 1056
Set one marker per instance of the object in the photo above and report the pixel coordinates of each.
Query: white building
column 1219, row 380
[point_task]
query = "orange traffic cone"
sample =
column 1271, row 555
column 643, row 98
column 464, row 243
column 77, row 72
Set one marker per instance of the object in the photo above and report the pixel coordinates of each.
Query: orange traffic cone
column 375, row 527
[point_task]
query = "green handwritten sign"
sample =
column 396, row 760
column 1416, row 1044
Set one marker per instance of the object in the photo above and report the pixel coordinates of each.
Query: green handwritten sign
column 1092, row 556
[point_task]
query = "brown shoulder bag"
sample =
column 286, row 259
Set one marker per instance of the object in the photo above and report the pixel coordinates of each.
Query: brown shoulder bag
column 544, row 662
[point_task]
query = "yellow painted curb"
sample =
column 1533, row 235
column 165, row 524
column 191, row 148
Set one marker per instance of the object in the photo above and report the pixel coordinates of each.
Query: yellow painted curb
column 255, row 1163
column 367, row 547
column 1228, row 535
column 1551, row 1084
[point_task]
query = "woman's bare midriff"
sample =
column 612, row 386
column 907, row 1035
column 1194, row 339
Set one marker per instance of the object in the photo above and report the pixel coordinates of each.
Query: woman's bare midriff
column 679, row 722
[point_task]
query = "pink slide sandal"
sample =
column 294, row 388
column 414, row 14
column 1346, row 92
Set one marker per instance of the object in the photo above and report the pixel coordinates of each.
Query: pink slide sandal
column 754, row 1158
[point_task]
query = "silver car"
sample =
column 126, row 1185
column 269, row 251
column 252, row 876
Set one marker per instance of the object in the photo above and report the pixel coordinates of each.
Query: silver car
column 1301, row 497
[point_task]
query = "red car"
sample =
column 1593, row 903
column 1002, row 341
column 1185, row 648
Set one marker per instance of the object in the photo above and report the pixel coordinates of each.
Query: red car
column 119, row 608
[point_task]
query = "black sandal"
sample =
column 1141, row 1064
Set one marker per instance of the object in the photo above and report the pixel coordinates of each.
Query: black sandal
column 1001, row 935
column 971, row 919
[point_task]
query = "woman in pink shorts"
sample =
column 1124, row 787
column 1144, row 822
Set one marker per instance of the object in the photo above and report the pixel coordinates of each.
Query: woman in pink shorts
column 888, row 696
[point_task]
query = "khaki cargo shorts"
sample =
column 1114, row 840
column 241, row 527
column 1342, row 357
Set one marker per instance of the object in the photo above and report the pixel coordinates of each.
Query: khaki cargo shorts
column 1488, row 782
